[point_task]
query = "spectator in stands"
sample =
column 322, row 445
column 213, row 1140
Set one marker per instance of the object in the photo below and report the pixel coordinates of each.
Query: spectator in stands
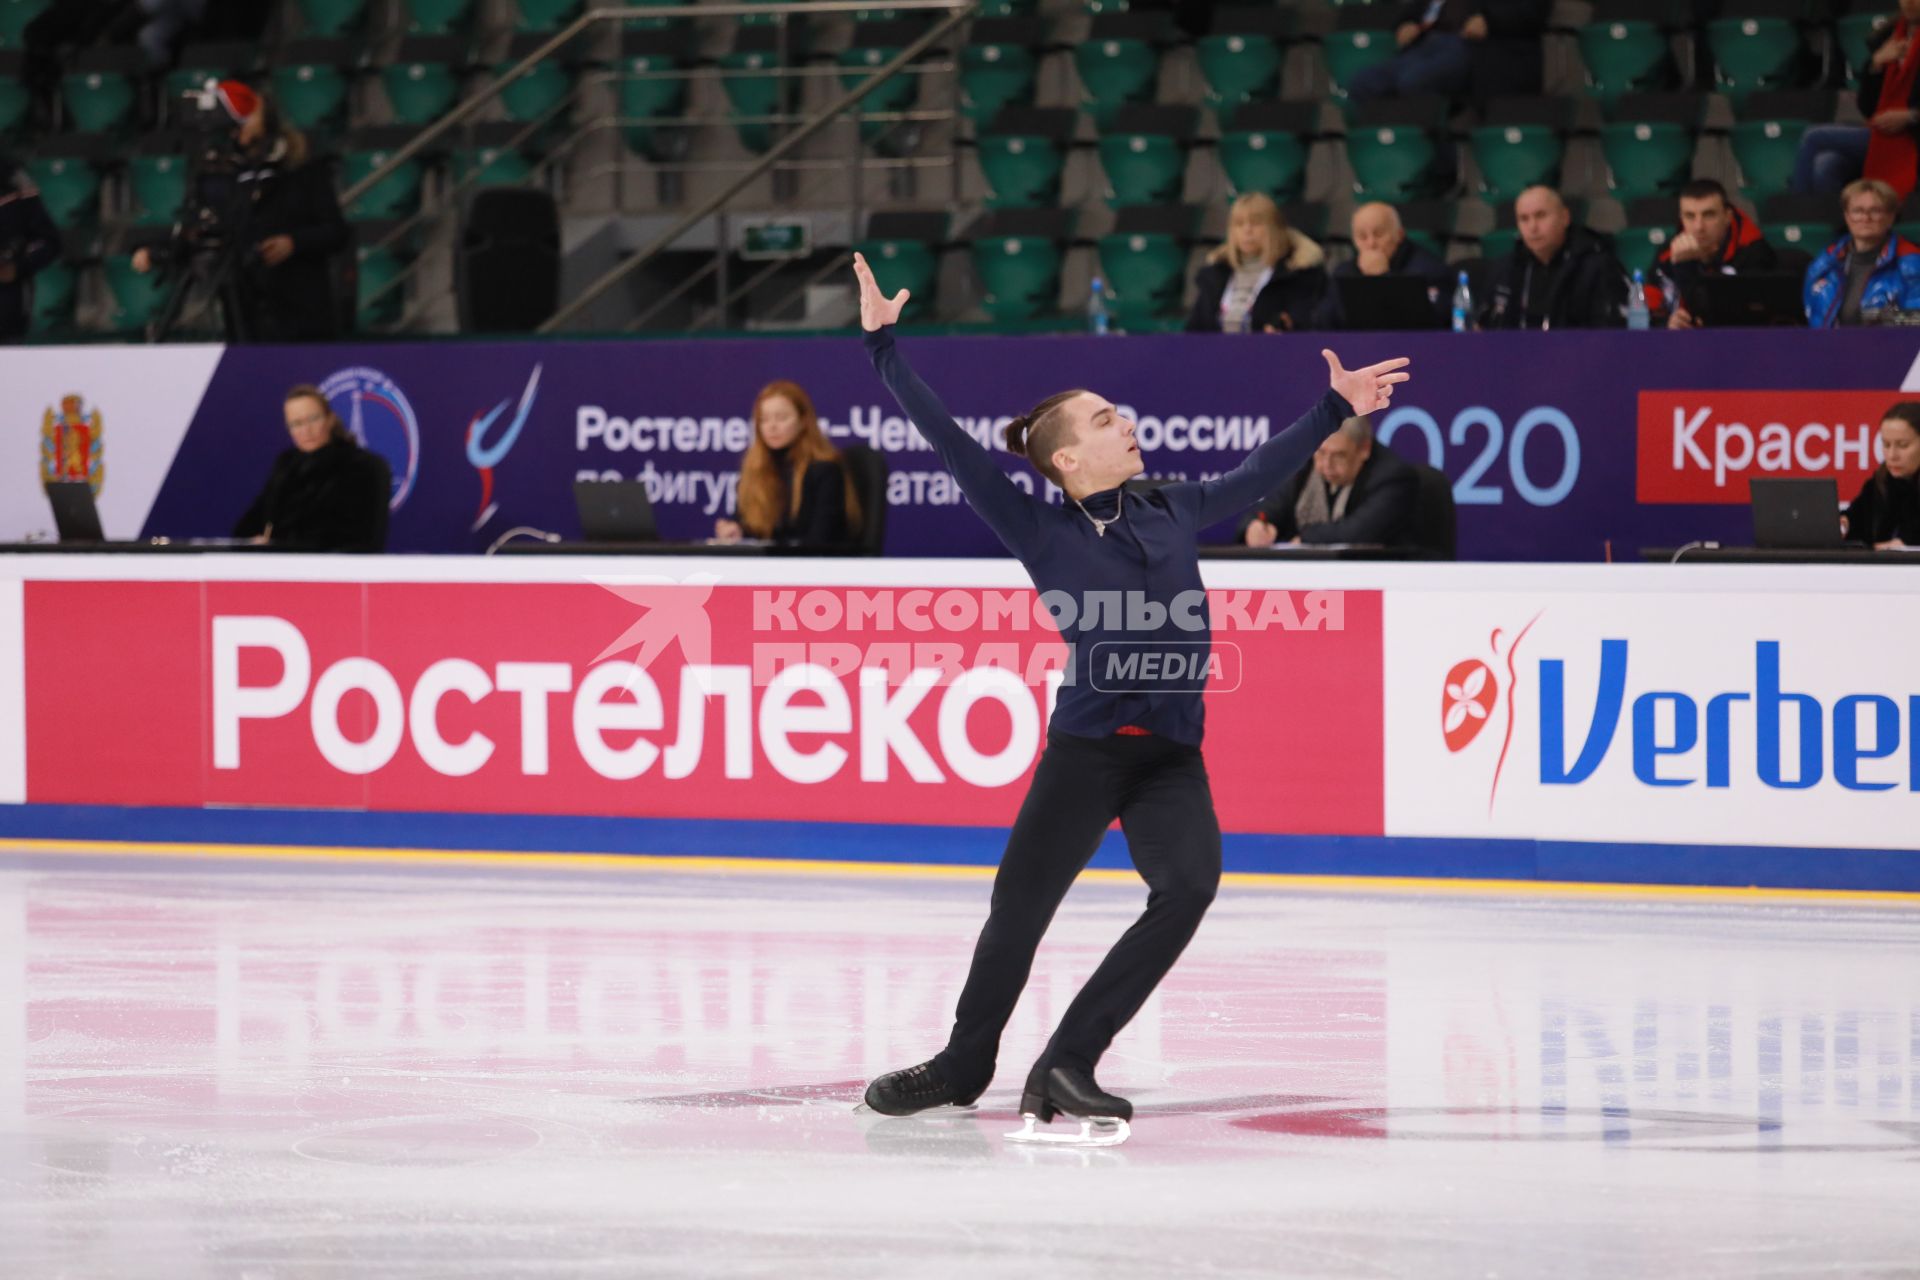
column 1266, row 278
column 1558, row 276
column 29, row 242
column 325, row 492
column 1868, row 269
column 1832, row 155
column 1886, row 514
column 1381, row 248
column 1350, row 492
column 284, row 209
column 1450, row 47
column 794, row 489
column 1715, row 239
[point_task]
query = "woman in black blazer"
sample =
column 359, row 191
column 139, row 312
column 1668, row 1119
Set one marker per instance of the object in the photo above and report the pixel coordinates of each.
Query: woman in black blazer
column 1267, row 277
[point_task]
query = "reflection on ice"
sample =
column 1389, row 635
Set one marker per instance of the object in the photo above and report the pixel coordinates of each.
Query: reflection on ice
column 307, row 1073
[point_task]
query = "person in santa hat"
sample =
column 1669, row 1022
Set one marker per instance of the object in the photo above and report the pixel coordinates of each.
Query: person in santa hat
column 284, row 212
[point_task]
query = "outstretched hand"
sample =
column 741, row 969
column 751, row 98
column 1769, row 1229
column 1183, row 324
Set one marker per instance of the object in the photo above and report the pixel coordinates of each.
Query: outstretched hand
column 877, row 310
column 1365, row 389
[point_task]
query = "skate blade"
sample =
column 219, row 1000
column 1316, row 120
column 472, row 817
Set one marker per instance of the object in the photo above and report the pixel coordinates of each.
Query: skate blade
column 1097, row 1131
column 956, row 1109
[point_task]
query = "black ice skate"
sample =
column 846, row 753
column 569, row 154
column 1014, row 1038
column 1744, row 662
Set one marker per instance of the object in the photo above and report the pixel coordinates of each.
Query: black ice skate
column 916, row 1089
column 1070, row 1091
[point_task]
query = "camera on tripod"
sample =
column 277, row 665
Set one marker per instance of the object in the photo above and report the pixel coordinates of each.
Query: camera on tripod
column 211, row 214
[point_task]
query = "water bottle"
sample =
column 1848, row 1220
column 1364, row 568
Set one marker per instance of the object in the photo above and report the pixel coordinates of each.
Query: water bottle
column 1637, row 302
column 1099, row 322
column 1462, row 305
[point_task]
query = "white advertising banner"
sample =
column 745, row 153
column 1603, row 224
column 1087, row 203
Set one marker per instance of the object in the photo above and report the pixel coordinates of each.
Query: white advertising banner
column 1710, row 717
column 111, row 415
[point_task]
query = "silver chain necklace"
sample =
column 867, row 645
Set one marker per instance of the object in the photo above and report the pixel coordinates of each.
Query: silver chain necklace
column 1099, row 525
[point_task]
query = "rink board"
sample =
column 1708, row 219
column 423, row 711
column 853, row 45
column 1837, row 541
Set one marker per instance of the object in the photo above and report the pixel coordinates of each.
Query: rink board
column 1611, row 724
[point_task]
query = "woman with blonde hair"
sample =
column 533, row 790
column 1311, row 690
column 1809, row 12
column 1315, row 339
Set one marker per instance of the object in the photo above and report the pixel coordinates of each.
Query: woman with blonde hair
column 1267, row 277
column 793, row 488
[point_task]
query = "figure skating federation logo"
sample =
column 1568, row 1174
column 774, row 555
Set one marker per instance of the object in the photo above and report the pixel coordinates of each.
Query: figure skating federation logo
column 485, row 455
column 381, row 418
column 1473, row 697
column 71, row 446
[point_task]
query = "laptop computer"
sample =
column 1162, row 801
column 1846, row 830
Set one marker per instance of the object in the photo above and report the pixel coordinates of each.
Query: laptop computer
column 614, row 511
column 1746, row 301
column 1387, row 302
column 74, row 514
column 1795, row 515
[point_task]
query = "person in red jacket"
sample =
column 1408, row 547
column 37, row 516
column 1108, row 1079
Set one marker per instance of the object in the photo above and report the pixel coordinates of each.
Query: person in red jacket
column 1715, row 239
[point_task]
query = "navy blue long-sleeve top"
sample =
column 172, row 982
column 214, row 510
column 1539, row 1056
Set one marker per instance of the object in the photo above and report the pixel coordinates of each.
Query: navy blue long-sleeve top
column 1150, row 551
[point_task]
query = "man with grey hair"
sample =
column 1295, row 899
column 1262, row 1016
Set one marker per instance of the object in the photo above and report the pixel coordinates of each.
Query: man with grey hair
column 1350, row 492
column 1381, row 248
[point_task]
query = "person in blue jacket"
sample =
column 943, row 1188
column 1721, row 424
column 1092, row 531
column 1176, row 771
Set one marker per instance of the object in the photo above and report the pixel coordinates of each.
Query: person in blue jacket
column 1868, row 269
column 1119, row 745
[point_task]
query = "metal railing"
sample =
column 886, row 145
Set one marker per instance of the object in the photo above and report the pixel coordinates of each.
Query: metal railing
column 776, row 158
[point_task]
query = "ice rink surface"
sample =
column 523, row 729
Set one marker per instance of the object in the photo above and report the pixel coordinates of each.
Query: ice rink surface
column 294, row 1070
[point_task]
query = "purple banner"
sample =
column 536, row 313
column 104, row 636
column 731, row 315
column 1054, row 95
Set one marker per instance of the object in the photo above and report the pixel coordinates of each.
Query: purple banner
column 1537, row 431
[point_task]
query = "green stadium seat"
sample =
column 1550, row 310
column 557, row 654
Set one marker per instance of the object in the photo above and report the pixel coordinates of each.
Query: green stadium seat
column 490, row 166
column 312, row 89
column 437, row 17
column 99, row 93
column 547, row 15
column 1242, row 58
column 1808, row 223
column 1007, row 8
column 541, row 94
column 136, row 296
column 1649, row 145
column 1757, row 44
column 55, row 288
column 997, row 66
column 1119, row 61
column 1625, row 48
column 14, row 17
column 69, row 182
column 1022, row 156
column 1144, row 153
column 874, row 45
column 329, row 19
column 15, row 101
column 1144, row 262
column 379, row 301
column 651, row 98
column 756, row 89
column 395, row 196
column 1766, row 140
column 423, row 83
column 1362, row 37
column 158, row 185
column 1852, row 33
column 1394, row 149
column 1520, row 143
column 901, row 247
column 1637, row 247
column 1021, row 275
column 1266, row 149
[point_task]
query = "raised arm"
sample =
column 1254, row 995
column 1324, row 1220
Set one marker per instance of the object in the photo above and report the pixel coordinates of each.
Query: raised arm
column 1350, row 391
column 1009, row 512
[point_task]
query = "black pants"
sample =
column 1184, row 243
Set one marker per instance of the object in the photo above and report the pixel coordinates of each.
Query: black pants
column 1158, row 789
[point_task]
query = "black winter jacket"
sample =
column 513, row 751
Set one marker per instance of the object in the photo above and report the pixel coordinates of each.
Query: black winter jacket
column 333, row 499
column 1584, row 286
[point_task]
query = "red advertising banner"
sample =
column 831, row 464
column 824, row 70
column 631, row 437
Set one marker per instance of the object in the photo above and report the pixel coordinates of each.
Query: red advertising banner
column 878, row 704
column 1703, row 446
